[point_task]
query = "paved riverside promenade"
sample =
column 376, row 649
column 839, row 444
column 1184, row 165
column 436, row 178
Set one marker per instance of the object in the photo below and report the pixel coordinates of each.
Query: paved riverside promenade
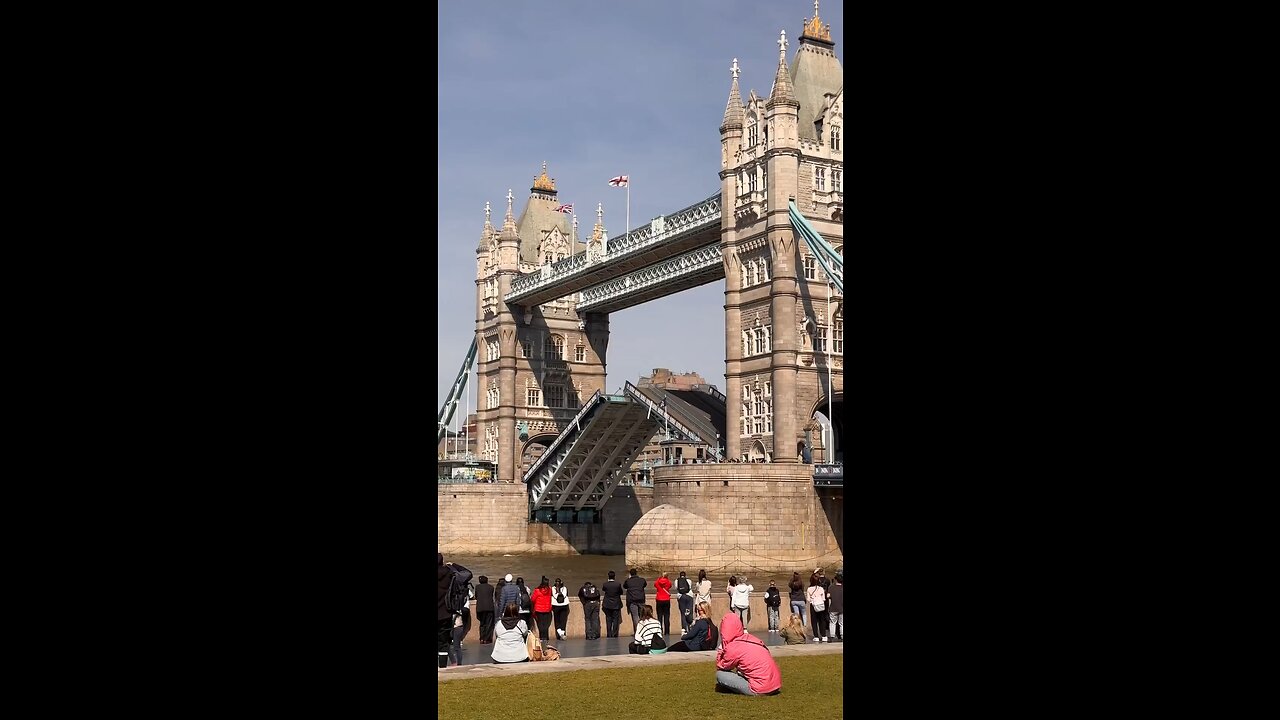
column 603, row 654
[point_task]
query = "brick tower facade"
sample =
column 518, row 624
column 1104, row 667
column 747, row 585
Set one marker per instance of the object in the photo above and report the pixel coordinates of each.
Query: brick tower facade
column 534, row 366
column 784, row 323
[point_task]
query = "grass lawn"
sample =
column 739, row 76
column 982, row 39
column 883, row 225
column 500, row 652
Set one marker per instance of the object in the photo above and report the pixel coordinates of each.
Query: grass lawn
column 683, row 690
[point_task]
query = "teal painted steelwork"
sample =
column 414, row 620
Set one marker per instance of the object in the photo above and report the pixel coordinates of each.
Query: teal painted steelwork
column 451, row 403
column 831, row 262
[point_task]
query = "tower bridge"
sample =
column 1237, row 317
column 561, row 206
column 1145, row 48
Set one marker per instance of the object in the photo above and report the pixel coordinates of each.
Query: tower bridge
column 773, row 235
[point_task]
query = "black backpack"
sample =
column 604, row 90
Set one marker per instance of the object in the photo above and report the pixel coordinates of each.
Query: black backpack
column 524, row 600
column 459, row 589
column 682, row 586
column 560, row 595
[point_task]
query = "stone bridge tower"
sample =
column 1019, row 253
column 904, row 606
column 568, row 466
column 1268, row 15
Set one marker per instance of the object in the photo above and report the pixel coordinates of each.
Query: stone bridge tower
column 535, row 365
column 784, row 324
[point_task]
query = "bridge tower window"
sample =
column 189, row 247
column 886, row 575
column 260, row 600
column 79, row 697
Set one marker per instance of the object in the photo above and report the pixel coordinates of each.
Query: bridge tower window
column 837, row 334
column 526, row 348
column 751, row 180
column 554, row 349
column 555, row 396
column 835, row 181
column 533, row 397
column 820, row 179
column 810, row 272
column 835, row 137
column 753, row 135
column 493, row 397
column 580, row 354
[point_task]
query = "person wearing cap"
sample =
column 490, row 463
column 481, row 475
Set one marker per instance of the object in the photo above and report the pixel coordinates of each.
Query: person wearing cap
column 510, row 593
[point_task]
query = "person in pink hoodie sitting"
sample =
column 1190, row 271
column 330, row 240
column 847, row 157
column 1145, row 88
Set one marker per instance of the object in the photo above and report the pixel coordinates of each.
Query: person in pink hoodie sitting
column 743, row 663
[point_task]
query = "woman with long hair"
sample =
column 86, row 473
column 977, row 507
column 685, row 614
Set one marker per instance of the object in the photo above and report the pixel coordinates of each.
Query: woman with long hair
column 817, row 596
column 662, row 597
column 646, row 630
column 702, row 591
column 701, row 635
column 509, row 637
column 797, row 595
column 540, row 598
column 793, row 633
column 560, row 607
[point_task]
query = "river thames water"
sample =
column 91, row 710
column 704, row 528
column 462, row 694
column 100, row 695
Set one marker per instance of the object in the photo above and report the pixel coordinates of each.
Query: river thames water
column 577, row 569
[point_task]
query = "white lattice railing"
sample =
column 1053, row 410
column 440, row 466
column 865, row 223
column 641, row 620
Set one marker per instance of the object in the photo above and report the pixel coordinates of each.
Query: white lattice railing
column 689, row 263
column 690, row 219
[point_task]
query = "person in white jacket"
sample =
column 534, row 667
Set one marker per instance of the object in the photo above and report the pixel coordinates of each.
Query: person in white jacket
column 740, row 598
column 560, row 608
column 817, row 596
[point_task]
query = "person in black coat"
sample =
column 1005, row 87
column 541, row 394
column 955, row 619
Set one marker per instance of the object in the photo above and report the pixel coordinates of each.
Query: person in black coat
column 773, row 601
column 484, row 609
column 612, row 590
column 444, row 617
column 635, row 597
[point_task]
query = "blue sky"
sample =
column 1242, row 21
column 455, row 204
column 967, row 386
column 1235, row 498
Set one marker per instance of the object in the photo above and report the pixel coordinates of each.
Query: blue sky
column 596, row 89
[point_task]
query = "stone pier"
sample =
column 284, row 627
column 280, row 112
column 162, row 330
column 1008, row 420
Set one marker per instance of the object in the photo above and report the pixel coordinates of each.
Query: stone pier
column 750, row 518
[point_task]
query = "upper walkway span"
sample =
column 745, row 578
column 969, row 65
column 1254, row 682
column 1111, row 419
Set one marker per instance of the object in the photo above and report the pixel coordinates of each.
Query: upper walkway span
column 665, row 240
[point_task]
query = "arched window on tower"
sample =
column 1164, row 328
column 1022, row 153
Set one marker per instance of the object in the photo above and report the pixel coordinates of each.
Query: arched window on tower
column 555, row 348
column 753, row 131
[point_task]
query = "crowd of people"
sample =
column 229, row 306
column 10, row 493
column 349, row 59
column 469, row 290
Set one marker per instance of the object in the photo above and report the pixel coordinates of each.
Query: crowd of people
column 743, row 663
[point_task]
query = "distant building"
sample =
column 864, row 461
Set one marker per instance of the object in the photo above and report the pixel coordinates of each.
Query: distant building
column 691, row 401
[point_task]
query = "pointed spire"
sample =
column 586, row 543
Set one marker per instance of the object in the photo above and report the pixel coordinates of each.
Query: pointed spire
column 509, row 222
column 733, row 115
column 487, row 233
column 815, row 30
column 782, row 91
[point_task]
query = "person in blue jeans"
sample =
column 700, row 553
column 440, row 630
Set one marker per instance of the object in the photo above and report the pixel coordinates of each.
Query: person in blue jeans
column 798, row 601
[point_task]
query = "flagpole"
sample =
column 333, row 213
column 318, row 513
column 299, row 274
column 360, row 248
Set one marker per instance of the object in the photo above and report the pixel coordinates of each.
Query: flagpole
column 628, row 207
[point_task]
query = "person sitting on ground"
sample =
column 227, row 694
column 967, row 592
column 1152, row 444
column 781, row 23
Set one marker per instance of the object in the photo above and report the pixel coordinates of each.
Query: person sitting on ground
column 646, row 630
column 743, row 663
column 702, row 633
column 508, row 642
column 793, row 633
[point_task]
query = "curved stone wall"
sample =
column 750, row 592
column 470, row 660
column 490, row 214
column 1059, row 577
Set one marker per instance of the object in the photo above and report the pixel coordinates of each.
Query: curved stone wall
column 738, row 518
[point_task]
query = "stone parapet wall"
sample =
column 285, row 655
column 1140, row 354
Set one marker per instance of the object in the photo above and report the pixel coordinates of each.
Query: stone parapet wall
column 759, row 623
column 747, row 518
column 492, row 519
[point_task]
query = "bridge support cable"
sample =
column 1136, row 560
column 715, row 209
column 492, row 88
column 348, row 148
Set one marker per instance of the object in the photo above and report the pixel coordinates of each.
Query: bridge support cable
column 451, row 403
column 831, row 262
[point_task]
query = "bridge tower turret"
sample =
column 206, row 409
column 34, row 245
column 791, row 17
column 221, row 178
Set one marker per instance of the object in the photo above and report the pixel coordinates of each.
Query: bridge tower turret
column 730, row 155
column 503, row 322
column 782, row 157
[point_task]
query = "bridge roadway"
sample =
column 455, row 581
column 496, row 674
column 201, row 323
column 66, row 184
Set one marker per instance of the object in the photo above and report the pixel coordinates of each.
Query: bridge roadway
column 673, row 253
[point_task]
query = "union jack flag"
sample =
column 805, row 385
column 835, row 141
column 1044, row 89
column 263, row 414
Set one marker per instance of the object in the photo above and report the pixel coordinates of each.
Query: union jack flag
column 565, row 208
column 620, row 181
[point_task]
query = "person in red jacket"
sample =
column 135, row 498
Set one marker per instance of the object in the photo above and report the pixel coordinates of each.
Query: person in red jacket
column 743, row 664
column 663, row 596
column 541, row 600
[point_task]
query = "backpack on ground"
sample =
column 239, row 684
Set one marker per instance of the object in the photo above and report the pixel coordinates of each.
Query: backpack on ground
column 459, row 589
